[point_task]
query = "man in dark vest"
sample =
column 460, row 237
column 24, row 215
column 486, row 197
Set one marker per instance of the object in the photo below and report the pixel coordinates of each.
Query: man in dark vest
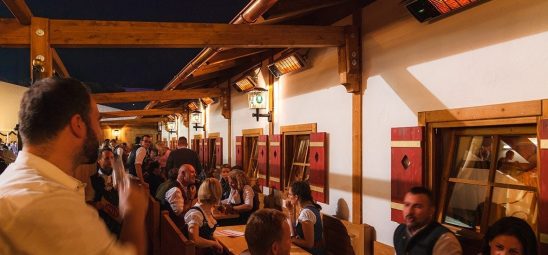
column 178, row 194
column 139, row 158
column 421, row 234
column 184, row 155
column 105, row 198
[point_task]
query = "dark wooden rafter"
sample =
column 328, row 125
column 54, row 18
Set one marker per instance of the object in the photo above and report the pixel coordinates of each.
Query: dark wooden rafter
column 88, row 33
column 20, row 10
column 125, row 97
column 149, row 112
column 126, row 34
column 141, row 121
column 22, row 13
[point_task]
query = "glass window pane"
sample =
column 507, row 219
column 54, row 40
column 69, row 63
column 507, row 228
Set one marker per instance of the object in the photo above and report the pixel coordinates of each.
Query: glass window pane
column 513, row 202
column 517, row 160
column 465, row 205
column 472, row 158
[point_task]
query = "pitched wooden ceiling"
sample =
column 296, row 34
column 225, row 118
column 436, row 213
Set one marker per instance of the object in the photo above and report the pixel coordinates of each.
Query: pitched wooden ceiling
column 113, row 70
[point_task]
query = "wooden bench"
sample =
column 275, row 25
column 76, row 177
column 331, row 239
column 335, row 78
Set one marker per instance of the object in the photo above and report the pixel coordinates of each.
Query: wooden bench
column 343, row 237
column 153, row 226
column 172, row 240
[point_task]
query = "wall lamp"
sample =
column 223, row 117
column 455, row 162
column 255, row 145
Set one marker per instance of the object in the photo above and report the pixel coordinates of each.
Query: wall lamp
column 116, row 133
column 170, row 126
column 257, row 100
column 196, row 119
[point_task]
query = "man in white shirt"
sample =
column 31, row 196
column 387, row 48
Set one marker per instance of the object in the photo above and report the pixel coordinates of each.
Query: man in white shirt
column 42, row 206
column 141, row 157
column 183, row 193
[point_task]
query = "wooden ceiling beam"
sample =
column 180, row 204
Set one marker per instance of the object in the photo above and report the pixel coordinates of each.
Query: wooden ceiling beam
column 143, row 121
column 149, row 112
column 123, row 34
column 126, row 97
column 58, row 65
column 13, row 34
column 20, row 10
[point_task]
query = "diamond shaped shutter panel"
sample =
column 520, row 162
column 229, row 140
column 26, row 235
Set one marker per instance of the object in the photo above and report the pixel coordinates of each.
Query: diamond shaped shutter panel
column 275, row 161
column 262, row 160
column 543, row 186
column 406, row 165
column 219, row 151
column 201, row 150
column 317, row 157
column 239, row 151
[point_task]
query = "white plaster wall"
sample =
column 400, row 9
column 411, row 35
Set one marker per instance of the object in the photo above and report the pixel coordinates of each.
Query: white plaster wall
column 217, row 123
column 493, row 53
column 10, row 99
column 316, row 96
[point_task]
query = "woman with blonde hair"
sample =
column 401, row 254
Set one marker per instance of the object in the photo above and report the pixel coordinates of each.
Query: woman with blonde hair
column 199, row 220
column 242, row 199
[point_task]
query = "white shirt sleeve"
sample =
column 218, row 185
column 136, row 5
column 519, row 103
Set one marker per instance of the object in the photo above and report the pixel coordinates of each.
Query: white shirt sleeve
column 140, row 155
column 233, row 198
column 175, row 198
column 248, row 195
column 194, row 217
column 307, row 215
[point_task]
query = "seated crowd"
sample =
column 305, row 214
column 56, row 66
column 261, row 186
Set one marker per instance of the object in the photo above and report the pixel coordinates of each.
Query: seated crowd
column 38, row 184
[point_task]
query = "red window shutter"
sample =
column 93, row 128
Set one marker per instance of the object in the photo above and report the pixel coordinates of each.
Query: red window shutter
column 317, row 157
column 206, row 154
column 200, row 148
column 275, row 162
column 219, row 150
column 543, row 187
column 406, row 165
column 262, row 160
column 239, row 151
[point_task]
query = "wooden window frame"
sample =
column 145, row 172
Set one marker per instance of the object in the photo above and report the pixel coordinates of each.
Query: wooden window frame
column 508, row 114
column 214, row 135
column 293, row 130
column 246, row 133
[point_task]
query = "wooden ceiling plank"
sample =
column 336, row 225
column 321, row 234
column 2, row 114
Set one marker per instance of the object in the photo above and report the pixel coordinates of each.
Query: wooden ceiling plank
column 125, row 97
column 13, row 34
column 88, row 33
column 149, row 112
column 133, row 121
column 20, row 10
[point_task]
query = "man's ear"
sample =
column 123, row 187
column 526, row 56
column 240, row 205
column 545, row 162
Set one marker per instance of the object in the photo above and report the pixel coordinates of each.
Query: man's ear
column 275, row 247
column 78, row 126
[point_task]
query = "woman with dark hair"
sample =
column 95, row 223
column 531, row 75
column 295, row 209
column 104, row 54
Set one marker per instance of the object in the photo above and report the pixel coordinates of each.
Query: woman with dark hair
column 307, row 228
column 510, row 235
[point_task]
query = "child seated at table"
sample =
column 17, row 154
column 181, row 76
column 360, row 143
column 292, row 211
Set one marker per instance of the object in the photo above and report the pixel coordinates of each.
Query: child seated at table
column 242, row 199
column 199, row 221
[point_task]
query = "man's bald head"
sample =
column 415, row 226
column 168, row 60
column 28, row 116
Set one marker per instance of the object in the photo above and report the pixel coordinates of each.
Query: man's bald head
column 187, row 174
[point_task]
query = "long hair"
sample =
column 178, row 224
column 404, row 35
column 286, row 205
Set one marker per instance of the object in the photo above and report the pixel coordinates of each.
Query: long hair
column 512, row 226
column 302, row 189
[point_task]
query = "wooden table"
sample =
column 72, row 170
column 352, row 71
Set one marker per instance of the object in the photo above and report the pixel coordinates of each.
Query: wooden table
column 236, row 245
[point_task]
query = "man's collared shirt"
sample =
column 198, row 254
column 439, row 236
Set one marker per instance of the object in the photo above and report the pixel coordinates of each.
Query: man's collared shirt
column 43, row 212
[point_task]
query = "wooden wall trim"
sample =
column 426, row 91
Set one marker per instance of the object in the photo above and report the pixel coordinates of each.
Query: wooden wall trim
column 497, row 111
column 198, row 136
column 487, row 122
column 308, row 127
column 214, row 135
column 252, row 131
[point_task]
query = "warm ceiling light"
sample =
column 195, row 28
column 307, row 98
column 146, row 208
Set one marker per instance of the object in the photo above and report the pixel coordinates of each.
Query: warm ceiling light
column 193, row 106
column 208, row 100
column 287, row 64
column 245, row 84
column 425, row 10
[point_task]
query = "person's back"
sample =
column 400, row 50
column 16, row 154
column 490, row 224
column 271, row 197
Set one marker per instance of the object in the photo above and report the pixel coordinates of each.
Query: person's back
column 182, row 156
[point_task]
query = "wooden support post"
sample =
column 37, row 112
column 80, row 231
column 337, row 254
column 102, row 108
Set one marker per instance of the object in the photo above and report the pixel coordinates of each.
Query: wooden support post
column 269, row 82
column 225, row 100
column 350, row 64
column 354, row 78
column 40, row 51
